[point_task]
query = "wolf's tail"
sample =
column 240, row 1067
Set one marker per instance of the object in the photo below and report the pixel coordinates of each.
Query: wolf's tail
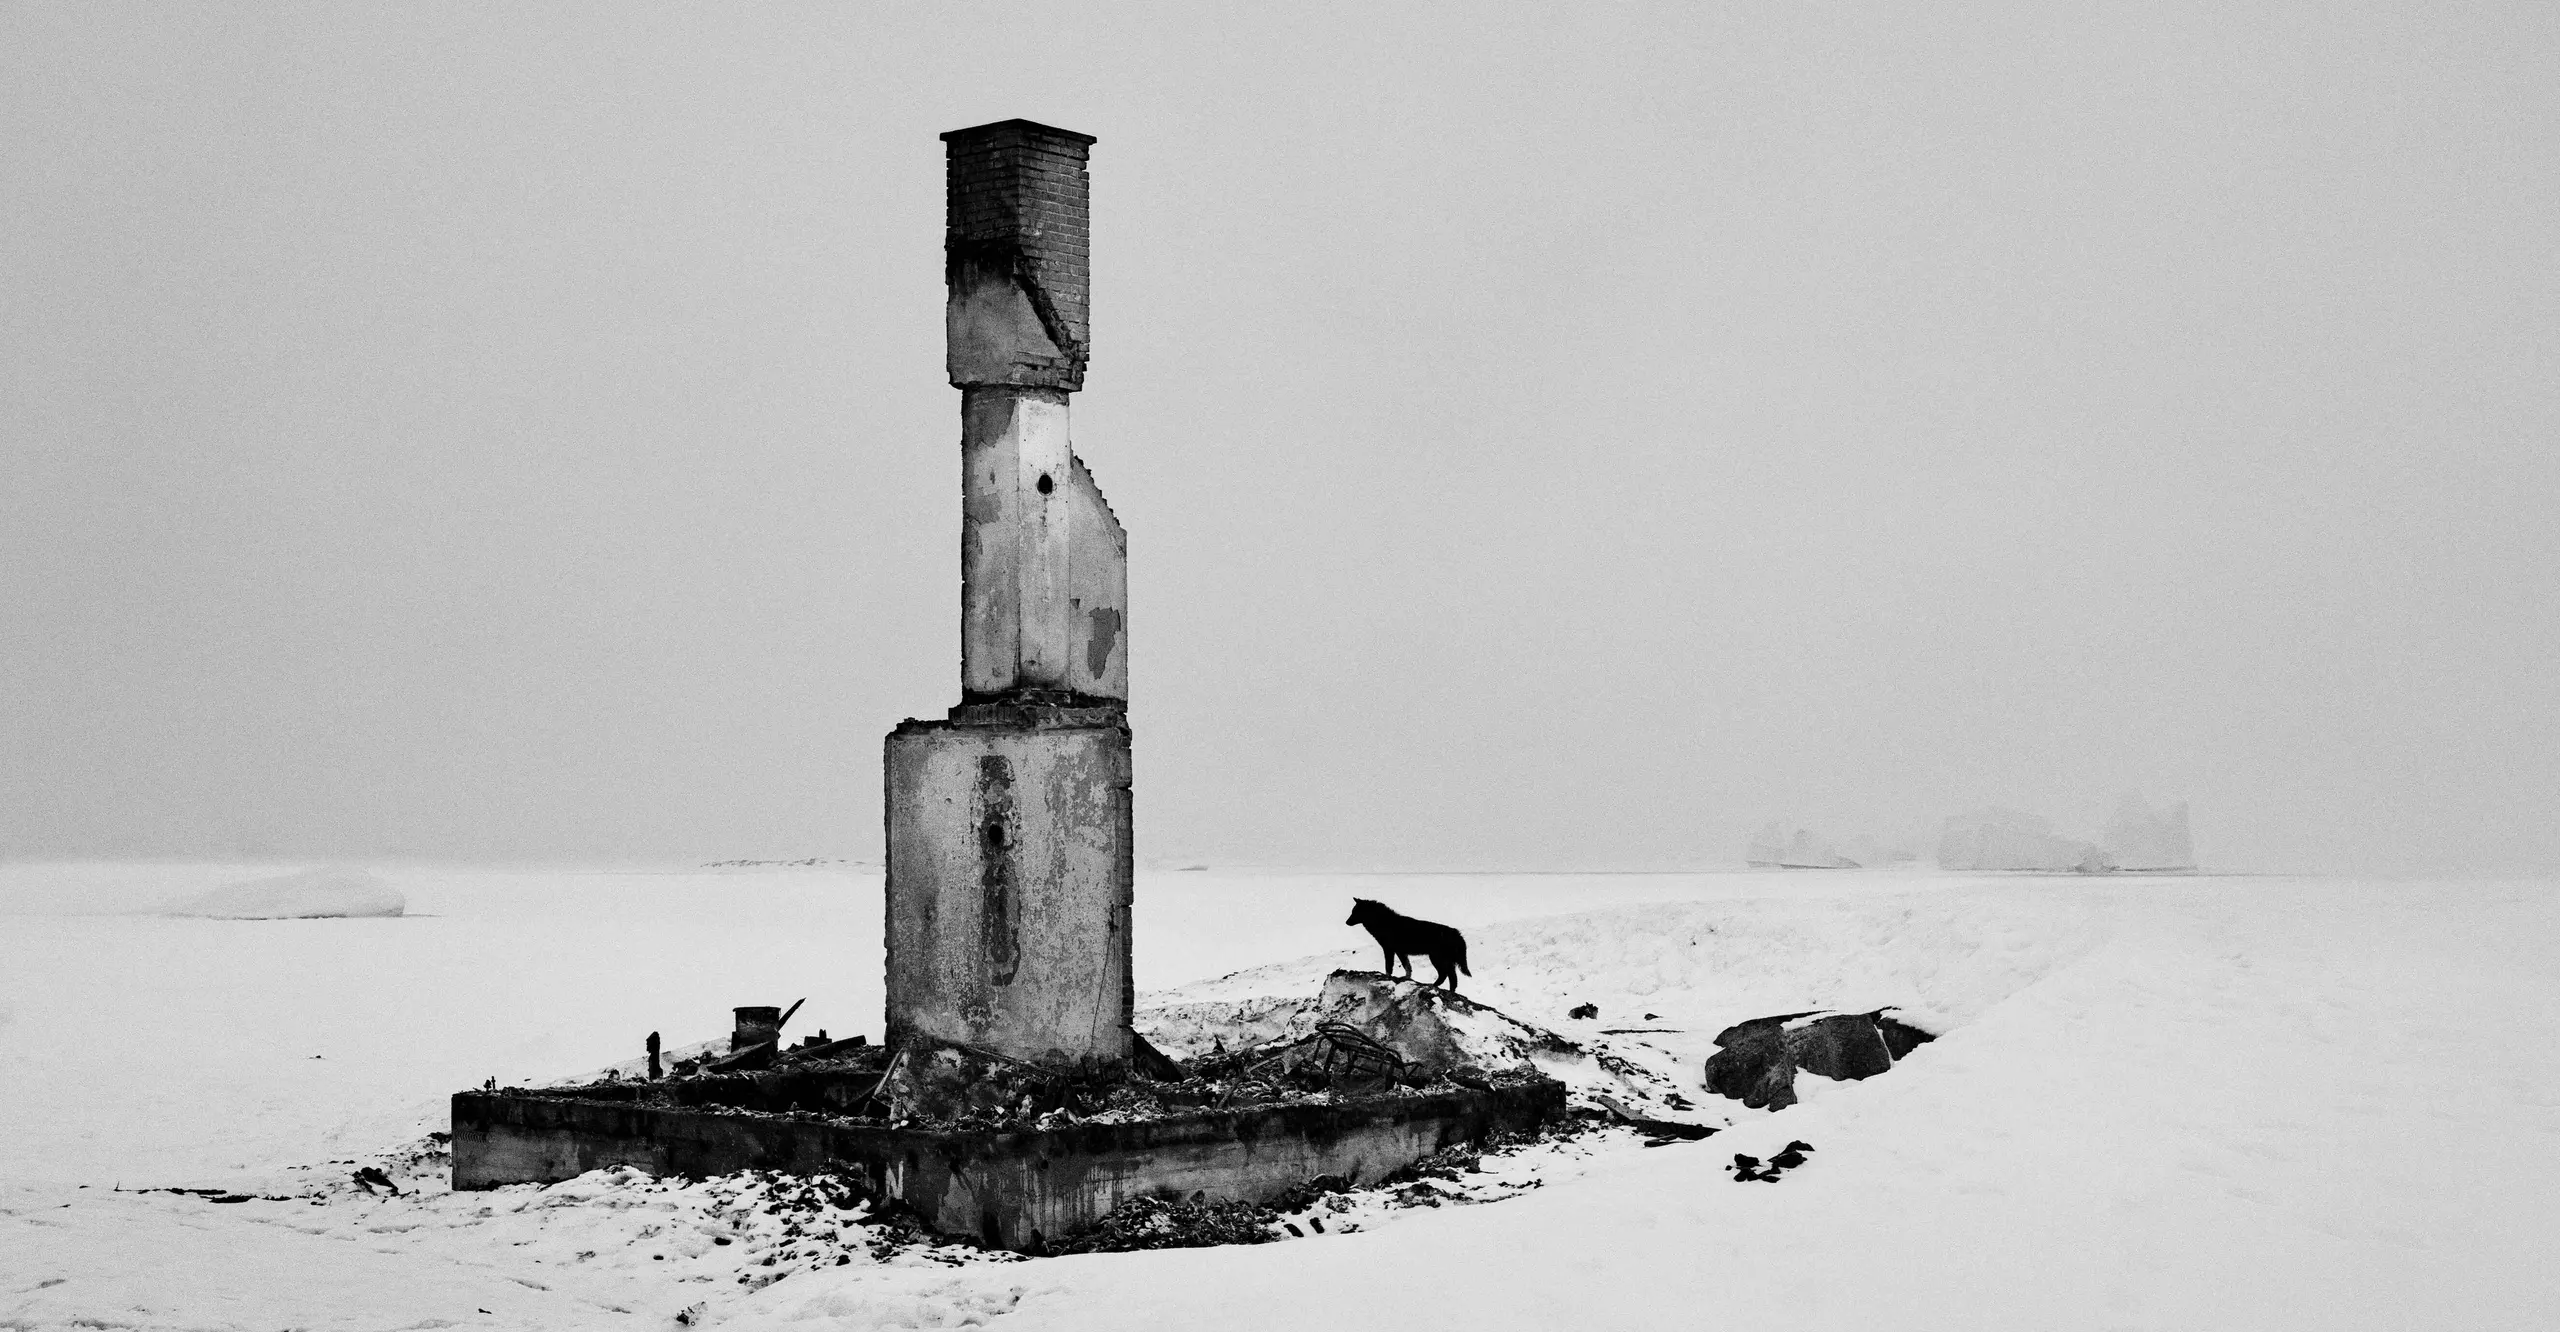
column 1462, row 959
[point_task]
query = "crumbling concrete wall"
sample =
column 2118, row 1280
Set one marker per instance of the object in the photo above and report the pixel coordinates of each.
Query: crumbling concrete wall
column 1015, row 1189
column 1044, row 563
column 1010, row 867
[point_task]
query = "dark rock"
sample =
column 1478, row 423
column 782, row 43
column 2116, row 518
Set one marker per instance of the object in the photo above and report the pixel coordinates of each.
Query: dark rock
column 1757, row 1060
column 1844, row 1047
column 1899, row 1036
column 1752, row 1066
column 1584, row 1012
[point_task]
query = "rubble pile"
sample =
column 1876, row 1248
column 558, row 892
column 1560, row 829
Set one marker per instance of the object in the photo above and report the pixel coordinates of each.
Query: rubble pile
column 959, row 1088
column 1365, row 1036
column 1436, row 1033
column 1154, row 1223
column 1452, row 1176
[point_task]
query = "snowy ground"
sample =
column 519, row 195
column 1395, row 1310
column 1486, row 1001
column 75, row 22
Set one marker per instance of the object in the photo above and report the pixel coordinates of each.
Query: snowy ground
column 2172, row 1103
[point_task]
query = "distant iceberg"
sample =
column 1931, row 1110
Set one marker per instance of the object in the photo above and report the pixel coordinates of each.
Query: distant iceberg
column 1870, row 852
column 1774, row 847
column 2141, row 838
column 1809, row 850
column 1768, row 847
column 312, row 894
column 2004, row 839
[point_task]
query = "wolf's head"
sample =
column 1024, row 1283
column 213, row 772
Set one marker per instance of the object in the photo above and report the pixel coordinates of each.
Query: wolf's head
column 1363, row 911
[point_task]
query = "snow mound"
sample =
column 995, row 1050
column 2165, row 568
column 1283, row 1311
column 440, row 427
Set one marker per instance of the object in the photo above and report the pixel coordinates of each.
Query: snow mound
column 1208, row 1026
column 311, row 894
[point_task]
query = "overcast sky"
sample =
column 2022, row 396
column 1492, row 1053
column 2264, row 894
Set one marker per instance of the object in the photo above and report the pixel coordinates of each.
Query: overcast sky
column 1563, row 437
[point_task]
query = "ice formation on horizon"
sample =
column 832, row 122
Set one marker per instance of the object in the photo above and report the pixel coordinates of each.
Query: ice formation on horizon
column 1810, row 850
column 1869, row 851
column 2141, row 838
column 1777, row 847
column 311, row 894
column 1767, row 846
column 1774, row 847
column 2005, row 839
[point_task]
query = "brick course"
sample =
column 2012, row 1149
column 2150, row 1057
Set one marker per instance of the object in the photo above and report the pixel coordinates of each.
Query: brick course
column 1017, row 198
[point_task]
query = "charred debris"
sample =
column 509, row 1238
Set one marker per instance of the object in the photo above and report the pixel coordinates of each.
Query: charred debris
column 952, row 1087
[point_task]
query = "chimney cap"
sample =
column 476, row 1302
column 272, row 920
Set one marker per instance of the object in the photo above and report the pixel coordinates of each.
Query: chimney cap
column 1019, row 126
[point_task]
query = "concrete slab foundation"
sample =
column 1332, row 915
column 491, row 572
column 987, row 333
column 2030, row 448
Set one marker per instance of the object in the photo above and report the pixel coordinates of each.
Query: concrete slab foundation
column 1013, row 1190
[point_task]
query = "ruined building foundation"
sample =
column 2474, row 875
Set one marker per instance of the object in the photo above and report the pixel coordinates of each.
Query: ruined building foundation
column 1010, row 868
column 1009, row 835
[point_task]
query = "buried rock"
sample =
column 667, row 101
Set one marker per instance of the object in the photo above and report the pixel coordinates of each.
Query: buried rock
column 1757, row 1060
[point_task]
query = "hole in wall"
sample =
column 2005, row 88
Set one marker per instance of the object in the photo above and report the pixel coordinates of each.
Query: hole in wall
column 1044, row 483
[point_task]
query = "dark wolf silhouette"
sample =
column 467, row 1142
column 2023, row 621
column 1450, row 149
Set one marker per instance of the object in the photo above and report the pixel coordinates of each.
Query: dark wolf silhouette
column 1402, row 936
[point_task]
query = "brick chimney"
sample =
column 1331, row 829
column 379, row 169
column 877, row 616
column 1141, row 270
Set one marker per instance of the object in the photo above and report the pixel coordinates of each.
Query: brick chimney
column 1010, row 834
column 1017, row 256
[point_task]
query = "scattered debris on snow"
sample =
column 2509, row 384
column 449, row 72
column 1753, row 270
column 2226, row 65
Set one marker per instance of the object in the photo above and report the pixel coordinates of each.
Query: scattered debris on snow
column 1750, row 1169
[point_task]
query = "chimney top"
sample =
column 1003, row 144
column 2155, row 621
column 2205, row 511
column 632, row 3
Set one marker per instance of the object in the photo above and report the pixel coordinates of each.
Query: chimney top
column 1018, row 127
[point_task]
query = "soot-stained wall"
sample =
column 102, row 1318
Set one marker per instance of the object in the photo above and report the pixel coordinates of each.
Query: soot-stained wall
column 1016, row 255
column 1010, row 887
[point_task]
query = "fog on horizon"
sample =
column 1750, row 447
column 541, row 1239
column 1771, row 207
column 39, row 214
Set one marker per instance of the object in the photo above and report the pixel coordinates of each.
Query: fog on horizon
column 1548, row 438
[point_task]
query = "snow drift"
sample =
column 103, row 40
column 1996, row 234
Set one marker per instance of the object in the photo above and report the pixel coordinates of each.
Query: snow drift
column 311, row 894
